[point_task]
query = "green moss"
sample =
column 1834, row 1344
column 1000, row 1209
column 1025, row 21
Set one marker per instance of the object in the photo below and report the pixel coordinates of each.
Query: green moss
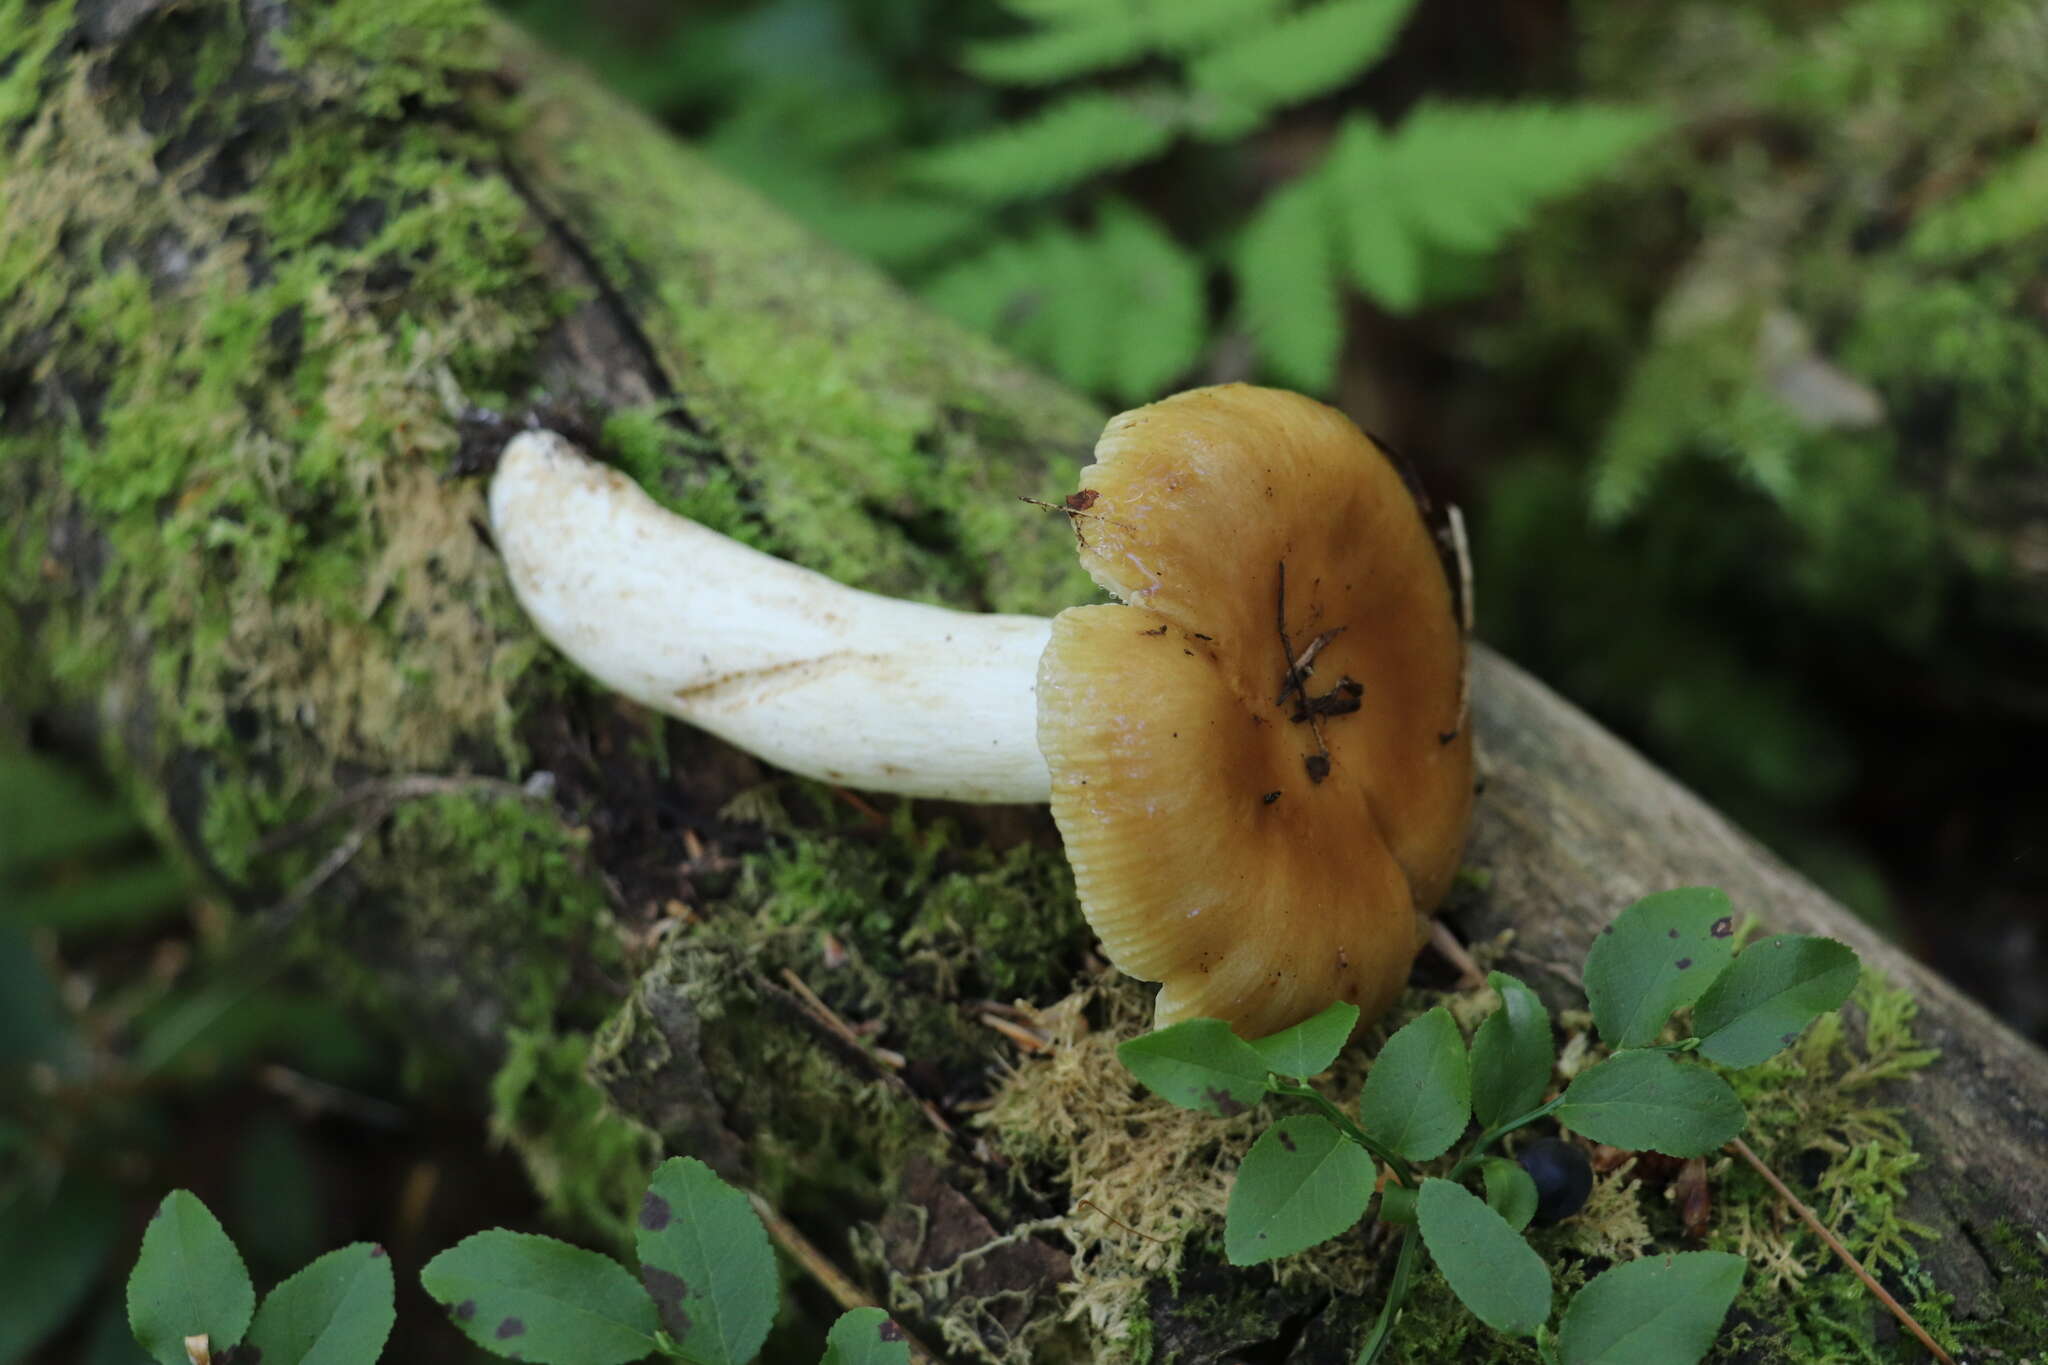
column 820, row 1137
column 392, row 52
column 986, row 922
column 882, row 447
column 645, row 441
column 29, row 33
column 588, row 1162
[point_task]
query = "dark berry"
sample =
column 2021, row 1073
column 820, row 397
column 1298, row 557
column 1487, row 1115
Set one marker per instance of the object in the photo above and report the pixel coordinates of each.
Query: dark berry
column 1563, row 1176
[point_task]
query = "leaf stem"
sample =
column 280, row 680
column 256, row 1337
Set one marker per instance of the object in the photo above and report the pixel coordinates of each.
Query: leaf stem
column 1741, row 1149
column 1397, row 1292
column 1402, row 1169
column 1496, row 1133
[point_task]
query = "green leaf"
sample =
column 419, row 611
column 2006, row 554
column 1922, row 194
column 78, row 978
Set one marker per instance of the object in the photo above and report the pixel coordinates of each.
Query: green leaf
column 1300, row 57
column 1510, row 1191
column 1107, row 38
column 188, row 1280
column 1303, row 1182
column 865, row 1336
column 51, row 1251
column 1162, row 311
column 1308, row 1048
column 1418, row 1095
column 337, row 1311
column 34, row 1025
column 1662, row 1308
column 1656, row 957
column 1061, row 145
column 1512, row 1054
column 1467, row 175
column 1288, row 287
column 1379, row 250
column 514, row 1293
column 49, row 813
column 102, row 897
column 1198, row 1064
column 1778, row 986
column 704, row 1256
column 2009, row 205
column 1650, row 1101
column 1489, row 1267
column 1120, row 311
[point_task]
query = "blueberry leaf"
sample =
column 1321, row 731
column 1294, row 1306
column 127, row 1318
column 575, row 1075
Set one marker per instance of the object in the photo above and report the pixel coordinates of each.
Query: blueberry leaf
column 704, row 1257
column 337, row 1311
column 1662, row 1308
column 1657, row 957
column 1198, row 1064
column 1308, row 1048
column 1489, row 1267
column 1512, row 1054
column 1418, row 1094
column 866, row 1336
column 1302, row 1183
column 188, row 1281
column 1650, row 1101
column 1776, row 987
column 519, row 1294
column 1510, row 1191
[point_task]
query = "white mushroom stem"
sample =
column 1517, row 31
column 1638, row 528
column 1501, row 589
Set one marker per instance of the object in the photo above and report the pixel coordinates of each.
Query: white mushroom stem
column 809, row 674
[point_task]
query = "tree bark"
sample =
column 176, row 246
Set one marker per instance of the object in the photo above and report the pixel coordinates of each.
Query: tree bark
column 261, row 264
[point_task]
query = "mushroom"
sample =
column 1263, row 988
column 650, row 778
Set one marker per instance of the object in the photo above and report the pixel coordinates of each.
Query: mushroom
column 1259, row 763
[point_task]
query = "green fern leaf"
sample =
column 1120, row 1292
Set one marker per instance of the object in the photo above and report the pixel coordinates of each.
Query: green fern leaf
column 1379, row 249
column 1286, row 266
column 1062, row 145
column 2008, row 204
column 1053, row 11
column 1304, row 55
column 1082, row 316
column 1468, row 175
column 1118, row 311
column 1099, row 35
column 1000, row 292
column 1162, row 314
column 1185, row 26
column 1103, row 39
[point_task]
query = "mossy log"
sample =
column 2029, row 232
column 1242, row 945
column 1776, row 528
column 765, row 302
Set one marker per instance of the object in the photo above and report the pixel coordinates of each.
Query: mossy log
column 262, row 265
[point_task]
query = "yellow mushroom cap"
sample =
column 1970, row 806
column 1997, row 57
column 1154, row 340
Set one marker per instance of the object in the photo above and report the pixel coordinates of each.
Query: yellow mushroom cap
column 1209, row 852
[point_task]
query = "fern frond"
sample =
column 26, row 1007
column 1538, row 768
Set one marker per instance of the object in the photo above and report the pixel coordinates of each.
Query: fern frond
column 1105, row 37
column 1098, row 35
column 1061, row 145
column 1186, row 26
column 1165, row 316
column 1379, row 249
column 2009, row 203
column 1054, row 11
column 1118, row 311
column 1304, row 55
column 1468, row 175
column 1288, row 288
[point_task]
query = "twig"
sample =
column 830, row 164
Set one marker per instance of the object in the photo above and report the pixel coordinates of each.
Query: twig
column 862, row 805
column 1470, row 977
column 1741, row 1149
column 1016, row 1033
column 886, row 1063
column 827, row 1016
column 1091, row 1204
column 385, row 791
column 819, row 1267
